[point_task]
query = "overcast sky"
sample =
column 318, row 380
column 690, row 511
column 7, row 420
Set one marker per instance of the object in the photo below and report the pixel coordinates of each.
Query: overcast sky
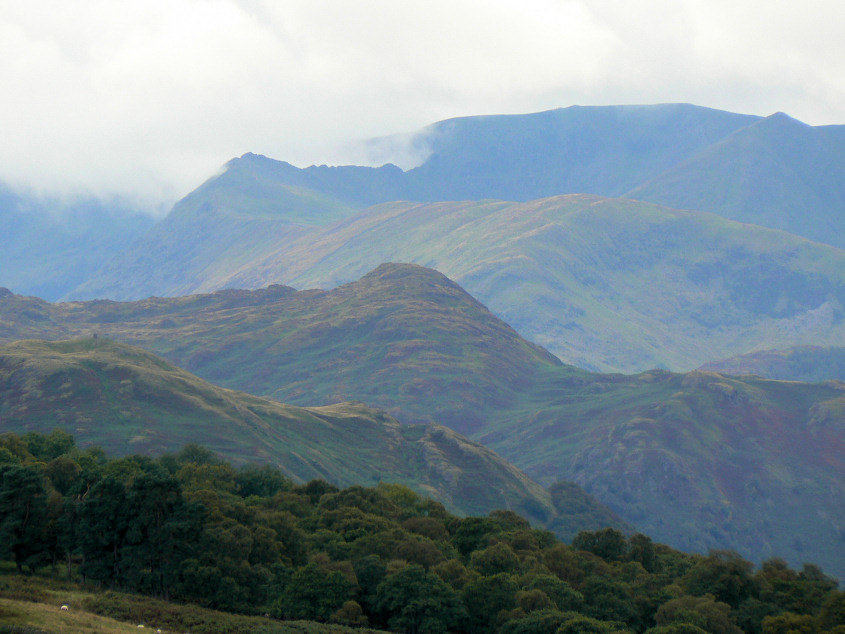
column 151, row 97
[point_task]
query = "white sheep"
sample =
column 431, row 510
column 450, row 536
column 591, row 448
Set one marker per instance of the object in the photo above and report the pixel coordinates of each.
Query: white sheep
column 65, row 608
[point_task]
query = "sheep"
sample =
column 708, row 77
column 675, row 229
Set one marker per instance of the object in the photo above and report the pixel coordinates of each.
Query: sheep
column 65, row 608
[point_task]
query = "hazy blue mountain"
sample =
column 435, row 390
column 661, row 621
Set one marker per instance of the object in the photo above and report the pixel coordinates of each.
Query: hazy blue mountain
column 48, row 246
column 253, row 205
column 605, row 150
column 776, row 172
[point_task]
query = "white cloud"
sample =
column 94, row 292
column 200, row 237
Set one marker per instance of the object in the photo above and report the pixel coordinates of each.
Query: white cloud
column 151, row 97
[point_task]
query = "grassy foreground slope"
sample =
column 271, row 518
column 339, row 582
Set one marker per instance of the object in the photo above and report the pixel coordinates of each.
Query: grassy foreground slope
column 130, row 401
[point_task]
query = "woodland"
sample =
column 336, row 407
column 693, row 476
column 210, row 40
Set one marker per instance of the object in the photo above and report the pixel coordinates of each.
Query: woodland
column 189, row 528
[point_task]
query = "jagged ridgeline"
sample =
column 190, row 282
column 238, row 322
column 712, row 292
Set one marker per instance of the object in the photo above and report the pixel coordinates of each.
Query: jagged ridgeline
column 698, row 460
column 190, row 528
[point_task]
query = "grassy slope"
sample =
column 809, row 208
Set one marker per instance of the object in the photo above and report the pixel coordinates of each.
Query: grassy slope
column 697, row 460
column 607, row 284
column 32, row 605
column 130, row 401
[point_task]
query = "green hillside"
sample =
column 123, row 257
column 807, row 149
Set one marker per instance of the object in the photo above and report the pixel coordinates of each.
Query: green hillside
column 127, row 400
column 403, row 337
column 605, row 284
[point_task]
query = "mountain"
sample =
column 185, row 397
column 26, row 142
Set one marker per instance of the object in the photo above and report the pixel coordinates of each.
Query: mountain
column 698, row 460
column 49, row 246
column 234, row 216
column 776, row 172
column 810, row 364
column 605, row 284
column 130, row 401
column 604, row 150
column 404, row 337
column 256, row 204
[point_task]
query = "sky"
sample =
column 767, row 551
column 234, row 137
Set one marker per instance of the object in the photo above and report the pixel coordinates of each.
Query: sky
column 148, row 99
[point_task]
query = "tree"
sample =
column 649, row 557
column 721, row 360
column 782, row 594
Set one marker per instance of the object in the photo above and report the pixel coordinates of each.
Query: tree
column 485, row 597
column 313, row 594
column 723, row 574
column 23, row 515
column 608, row 543
column 704, row 612
column 790, row 623
column 105, row 517
column 561, row 593
column 495, row 559
column 418, row 602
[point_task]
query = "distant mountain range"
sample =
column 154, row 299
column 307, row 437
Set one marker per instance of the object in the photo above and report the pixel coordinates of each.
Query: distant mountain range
column 698, row 460
column 607, row 284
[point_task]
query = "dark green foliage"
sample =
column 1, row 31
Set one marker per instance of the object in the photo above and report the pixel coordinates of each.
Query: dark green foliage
column 248, row 541
column 495, row 559
column 608, row 543
column 562, row 595
column 23, row 515
column 313, row 594
column 47, row 447
column 418, row 602
column 724, row 574
column 473, row 533
column 486, row 597
column 703, row 612
column 539, row 622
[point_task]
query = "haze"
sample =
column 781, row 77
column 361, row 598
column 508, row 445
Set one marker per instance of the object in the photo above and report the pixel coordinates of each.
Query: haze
column 149, row 99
